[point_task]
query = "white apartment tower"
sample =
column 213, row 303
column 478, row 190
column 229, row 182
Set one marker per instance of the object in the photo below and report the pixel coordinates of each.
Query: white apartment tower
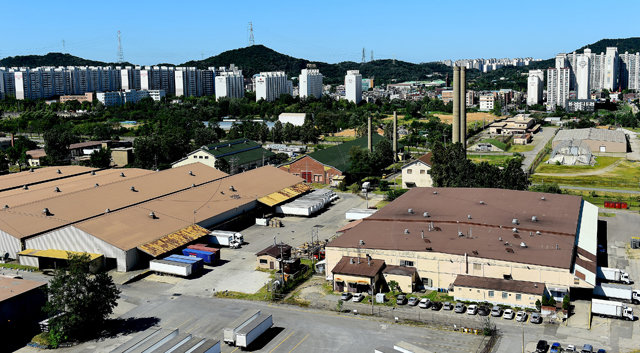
column 611, row 69
column 535, row 87
column 229, row 83
column 270, row 85
column 583, row 74
column 630, row 70
column 353, row 86
column 310, row 83
column 558, row 81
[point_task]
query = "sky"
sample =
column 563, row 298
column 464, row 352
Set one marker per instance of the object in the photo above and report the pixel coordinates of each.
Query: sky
column 331, row 31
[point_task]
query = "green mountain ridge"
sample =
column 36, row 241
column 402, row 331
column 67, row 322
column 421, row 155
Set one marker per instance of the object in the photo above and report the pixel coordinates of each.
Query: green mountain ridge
column 52, row 59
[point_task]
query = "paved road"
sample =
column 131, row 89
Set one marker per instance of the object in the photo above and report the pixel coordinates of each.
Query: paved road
column 634, row 141
column 542, row 138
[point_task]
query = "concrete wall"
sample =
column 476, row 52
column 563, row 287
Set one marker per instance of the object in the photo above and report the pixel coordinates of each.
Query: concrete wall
column 270, row 264
column 417, row 173
column 406, row 283
column 441, row 269
column 594, row 146
column 514, row 299
column 9, row 244
column 318, row 172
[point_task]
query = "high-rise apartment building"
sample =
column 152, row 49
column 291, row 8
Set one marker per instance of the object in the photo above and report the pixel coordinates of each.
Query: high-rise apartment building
column 558, row 81
column 630, row 70
column 535, row 87
column 353, row 86
column 229, row 83
column 270, row 85
column 583, row 74
column 611, row 69
column 310, row 81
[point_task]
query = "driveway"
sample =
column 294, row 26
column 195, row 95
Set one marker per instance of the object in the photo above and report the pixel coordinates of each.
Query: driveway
column 634, row 141
column 540, row 139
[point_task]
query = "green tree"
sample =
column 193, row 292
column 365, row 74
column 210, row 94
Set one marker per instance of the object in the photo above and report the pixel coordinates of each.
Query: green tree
column 382, row 155
column 277, row 133
column 290, row 133
column 263, row 132
column 204, row 136
column 100, row 158
column 79, row 301
column 222, row 165
column 393, row 286
column 146, row 151
column 56, row 144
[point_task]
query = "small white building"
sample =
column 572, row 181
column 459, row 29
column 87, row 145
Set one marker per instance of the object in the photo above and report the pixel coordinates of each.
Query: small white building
column 353, row 86
column 416, row 173
column 296, row 119
column 486, row 102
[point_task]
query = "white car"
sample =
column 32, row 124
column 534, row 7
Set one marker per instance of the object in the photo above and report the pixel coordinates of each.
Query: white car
column 521, row 316
column 496, row 311
column 424, row 303
column 570, row 348
column 472, row 309
column 508, row 314
column 358, row 297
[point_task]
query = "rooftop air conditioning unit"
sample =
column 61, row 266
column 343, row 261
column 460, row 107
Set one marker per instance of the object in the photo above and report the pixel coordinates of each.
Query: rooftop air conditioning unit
column 425, row 215
column 152, row 215
column 95, row 186
column 515, row 221
column 523, row 245
column 538, row 232
column 46, row 212
column 107, row 210
column 515, row 230
column 133, row 188
column 481, row 202
column 6, row 206
column 191, row 173
column 435, row 193
column 542, row 198
column 25, row 187
column 57, row 189
column 93, row 172
column 410, row 211
column 534, row 219
column 468, row 216
column 59, row 171
column 122, row 175
column 406, row 231
column 460, row 234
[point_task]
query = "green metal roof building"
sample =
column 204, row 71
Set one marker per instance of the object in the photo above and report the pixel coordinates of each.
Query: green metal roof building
column 241, row 154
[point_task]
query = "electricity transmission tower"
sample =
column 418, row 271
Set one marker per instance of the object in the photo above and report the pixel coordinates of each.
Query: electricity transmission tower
column 120, row 52
column 252, row 40
column 364, row 58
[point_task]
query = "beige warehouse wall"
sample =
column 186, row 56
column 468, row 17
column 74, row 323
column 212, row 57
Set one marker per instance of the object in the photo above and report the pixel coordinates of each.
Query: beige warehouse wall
column 483, row 295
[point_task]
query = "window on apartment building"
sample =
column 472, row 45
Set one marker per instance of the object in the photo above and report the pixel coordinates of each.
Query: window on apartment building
column 505, row 295
column 477, row 267
column 490, row 294
column 406, row 263
column 422, row 171
column 409, row 171
column 518, row 296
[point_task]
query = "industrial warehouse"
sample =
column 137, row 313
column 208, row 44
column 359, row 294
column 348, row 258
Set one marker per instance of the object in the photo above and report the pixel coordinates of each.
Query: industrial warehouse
column 455, row 239
column 128, row 216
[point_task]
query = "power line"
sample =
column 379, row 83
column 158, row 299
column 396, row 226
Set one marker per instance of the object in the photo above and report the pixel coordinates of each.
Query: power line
column 252, row 40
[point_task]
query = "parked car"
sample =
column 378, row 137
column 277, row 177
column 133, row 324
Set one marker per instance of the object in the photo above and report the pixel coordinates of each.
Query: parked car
column 601, row 351
column 542, row 346
column 358, row 297
column 436, row 305
column 413, row 301
column 496, row 311
column 570, row 348
column 447, row 306
column 555, row 348
column 521, row 316
column 401, row 299
column 424, row 303
column 483, row 310
column 535, row 318
column 460, row 308
column 346, row 296
column 508, row 314
column 472, row 310
column 587, row 348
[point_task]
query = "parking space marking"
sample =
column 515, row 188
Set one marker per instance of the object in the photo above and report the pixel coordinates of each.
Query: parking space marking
column 299, row 343
column 281, row 342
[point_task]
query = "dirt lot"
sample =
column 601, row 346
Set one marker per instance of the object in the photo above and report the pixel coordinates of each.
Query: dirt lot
column 448, row 118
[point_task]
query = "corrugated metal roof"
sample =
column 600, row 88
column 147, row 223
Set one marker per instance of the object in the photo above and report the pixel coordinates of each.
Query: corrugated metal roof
column 56, row 254
column 173, row 240
column 284, row 194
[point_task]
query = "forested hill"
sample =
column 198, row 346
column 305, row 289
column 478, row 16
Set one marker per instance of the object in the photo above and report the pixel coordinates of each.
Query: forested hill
column 257, row 58
column 631, row 45
column 50, row 59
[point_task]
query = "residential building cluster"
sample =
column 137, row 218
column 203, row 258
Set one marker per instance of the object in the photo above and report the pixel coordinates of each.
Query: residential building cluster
column 48, row 82
column 576, row 77
column 116, row 98
column 487, row 65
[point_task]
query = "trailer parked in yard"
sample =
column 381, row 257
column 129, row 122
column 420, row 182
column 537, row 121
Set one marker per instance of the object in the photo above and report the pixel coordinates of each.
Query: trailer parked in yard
column 171, row 267
column 613, row 275
column 249, row 333
column 204, row 247
column 618, row 292
column 206, row 256
column 194, row 261
column 606, row 308
column 229, row 332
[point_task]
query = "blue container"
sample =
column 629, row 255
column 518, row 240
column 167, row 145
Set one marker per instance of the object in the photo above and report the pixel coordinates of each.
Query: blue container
column 207, row 256
column 196, row 262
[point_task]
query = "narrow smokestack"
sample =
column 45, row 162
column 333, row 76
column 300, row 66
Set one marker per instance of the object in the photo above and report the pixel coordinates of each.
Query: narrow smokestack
column 463, row 107
column 456, row 105
column 395, row 136
column 369, row 134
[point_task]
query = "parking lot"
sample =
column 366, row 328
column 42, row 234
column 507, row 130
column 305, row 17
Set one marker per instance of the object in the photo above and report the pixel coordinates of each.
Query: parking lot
column 236, row 271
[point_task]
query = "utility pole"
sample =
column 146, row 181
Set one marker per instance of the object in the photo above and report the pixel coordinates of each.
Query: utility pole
column 252, row 40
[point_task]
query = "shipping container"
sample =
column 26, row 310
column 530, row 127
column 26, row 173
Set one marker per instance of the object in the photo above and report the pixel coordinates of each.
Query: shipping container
column 248, row 334
column 194, row 261
column 207, row 256
column 215, row 251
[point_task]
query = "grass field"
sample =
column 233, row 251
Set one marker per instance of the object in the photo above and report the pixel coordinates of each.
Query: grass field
column 501, row 145
column 521, row 148
column 626, row 175
column 338, row 138
column 601, row 162
column 599, row 198
column 495, row 159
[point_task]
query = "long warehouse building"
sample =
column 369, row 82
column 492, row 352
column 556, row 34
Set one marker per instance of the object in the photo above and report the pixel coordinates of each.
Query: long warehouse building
column 138, row 218
column 441, row 234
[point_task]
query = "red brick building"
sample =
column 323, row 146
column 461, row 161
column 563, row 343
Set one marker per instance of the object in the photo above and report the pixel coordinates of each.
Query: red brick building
column 311, row 170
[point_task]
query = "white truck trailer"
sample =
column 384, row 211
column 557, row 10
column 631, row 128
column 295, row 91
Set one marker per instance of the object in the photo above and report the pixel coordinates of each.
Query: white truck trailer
column 229, row 332
column 607, row 308
column 617, row 292
column 248, row 334
column 226, row 238
column 170, row 267
column 613, row 275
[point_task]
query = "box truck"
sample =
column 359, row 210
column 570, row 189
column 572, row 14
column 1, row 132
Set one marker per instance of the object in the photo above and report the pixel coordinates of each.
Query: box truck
column 617, row 292
column 229, row 332
column 226, row 238
column 613, row 275
column 249, row 333
column 607, row 308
